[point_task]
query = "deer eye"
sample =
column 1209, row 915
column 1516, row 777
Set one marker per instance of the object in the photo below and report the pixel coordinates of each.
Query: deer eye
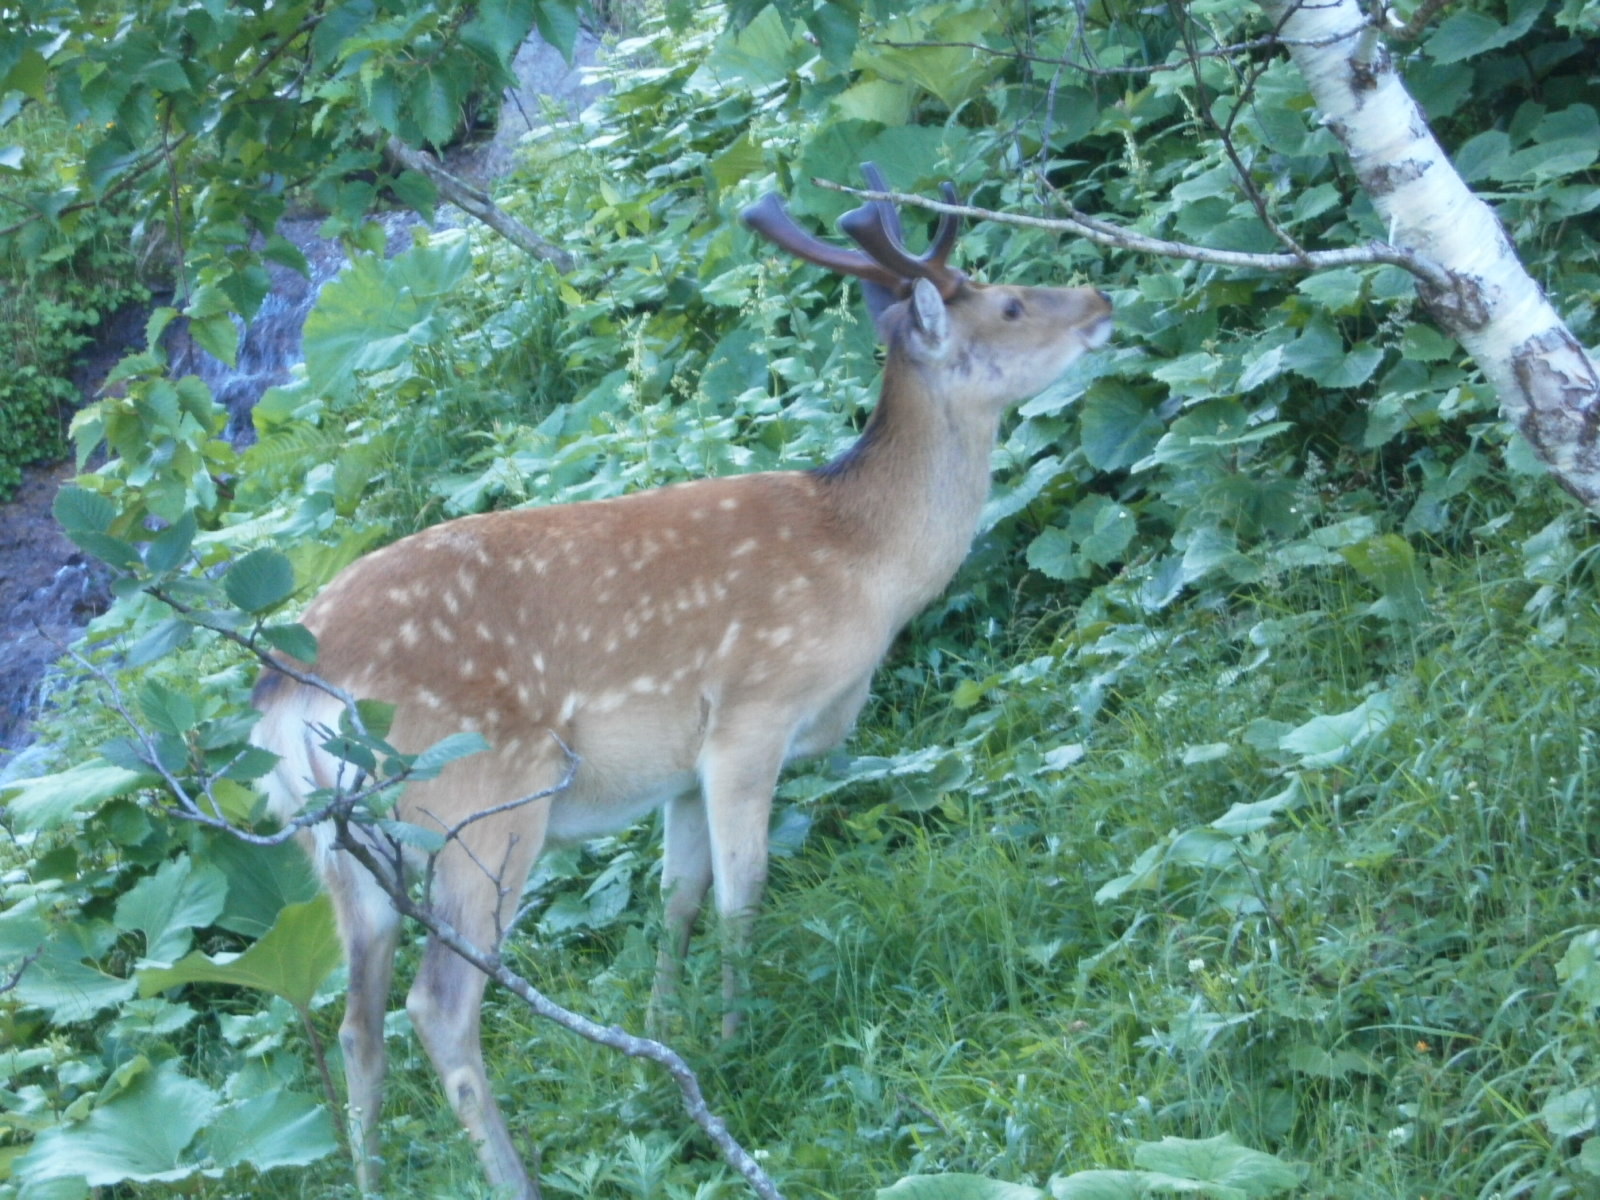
column 1012, row 309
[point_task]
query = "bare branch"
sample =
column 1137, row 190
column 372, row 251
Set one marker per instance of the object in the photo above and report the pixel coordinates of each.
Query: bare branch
column 1106, row 233
column 1269, row 42
column 478, row 203
column 613, row 1037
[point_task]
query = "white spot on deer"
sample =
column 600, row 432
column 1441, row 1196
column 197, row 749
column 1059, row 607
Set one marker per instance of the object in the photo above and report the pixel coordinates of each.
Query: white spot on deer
column 431, row 699
column 409, row 633
column 514, row 746
column 399, row 595
column 386, row 647
column 748, row 546
column 776, row 637
column 538, row 661
column 569, row 706
column 441, row 630
column 524, row 695
column 727, row 504
column 728, row 639
column 584, row 633
column 485, row 634
column 502, row 676
column 451, row 603
column 468, row 668
column 610, row 644
column 644, row 685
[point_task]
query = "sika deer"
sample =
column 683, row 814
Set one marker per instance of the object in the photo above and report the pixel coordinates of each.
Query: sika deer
column 684, row 642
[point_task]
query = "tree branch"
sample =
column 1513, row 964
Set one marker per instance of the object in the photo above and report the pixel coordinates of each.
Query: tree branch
column 1106, row 233
column 478, row 203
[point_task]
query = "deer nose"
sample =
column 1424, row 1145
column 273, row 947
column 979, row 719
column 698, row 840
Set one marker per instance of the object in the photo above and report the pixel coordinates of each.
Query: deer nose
column 1102, row 294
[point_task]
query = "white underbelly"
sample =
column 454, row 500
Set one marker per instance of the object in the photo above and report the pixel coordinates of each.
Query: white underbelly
column 586, row 810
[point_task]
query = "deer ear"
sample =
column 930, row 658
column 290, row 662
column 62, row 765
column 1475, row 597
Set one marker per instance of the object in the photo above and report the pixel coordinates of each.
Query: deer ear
column 930, row 324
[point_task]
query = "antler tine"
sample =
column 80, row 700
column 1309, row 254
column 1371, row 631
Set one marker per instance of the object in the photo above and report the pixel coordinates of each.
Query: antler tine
column 887, row 212
column 944, row 238
column 771, row 220
column 874, row 227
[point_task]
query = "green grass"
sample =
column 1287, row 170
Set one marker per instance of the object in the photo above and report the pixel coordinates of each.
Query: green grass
column 1368, row 986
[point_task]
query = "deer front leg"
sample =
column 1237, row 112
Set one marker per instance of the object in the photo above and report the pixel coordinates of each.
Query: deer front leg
column 737, row 776
column 685, row 879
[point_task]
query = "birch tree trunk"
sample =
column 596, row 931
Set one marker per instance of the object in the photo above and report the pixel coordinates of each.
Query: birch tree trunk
column 1547, row 384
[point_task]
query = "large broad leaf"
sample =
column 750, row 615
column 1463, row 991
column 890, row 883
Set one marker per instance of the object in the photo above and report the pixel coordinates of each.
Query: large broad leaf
column 47, row 800
column 957, row 1187
column 375, row 313
column 1218, row 1160
column 280, row 1129
column 139, row 1134
column 1330, row 738
column 262, row 881
column 168, row 906
column 291, row 961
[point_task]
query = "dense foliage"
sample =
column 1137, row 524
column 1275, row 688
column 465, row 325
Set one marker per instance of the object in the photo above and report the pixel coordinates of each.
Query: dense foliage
column 1230, row 823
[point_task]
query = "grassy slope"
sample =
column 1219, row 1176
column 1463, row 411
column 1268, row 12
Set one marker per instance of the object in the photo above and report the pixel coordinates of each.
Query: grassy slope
column 1368, row 986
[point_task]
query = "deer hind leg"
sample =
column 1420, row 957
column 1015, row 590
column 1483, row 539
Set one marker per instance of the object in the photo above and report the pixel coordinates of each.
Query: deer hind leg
column 477, row 893
column 369, row 928
column 737, row 776
column 685, row 879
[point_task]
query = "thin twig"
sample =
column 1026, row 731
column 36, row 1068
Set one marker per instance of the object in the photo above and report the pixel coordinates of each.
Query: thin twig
column 1270, row 42
column 613, row 1037
column 478, row 203
column 1107, row 233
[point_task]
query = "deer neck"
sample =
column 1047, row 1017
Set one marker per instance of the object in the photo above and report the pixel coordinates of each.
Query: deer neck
column 912, row 488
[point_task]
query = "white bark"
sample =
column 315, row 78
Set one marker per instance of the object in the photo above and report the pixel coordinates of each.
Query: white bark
column 1548, row 385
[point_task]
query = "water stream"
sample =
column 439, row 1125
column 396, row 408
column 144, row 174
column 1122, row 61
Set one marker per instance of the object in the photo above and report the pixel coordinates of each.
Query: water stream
column 48, row 590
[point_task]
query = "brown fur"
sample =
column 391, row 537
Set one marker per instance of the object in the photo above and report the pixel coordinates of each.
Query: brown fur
column 683, row 642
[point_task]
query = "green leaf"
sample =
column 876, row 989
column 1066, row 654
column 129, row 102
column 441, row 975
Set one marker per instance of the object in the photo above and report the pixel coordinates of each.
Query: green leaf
column 957, row 1187
column 293, row 639
column 376, row 312
column 1579, row 968
column 1128, row 1185
column 138, row 1135
column 1218, row 1160
column 217, row 335
column 159, row 641
column 79, row 510
column 45, row 801
column 1117, row 428
column 1052, row 553
column 262, row 882
column 1329, row 739
column 1572, row 1113
column 279, row 1129
column 167, row 710
column 1466, row 33
column 558, row 22
column 442, row 753
column 291, row 961
column 261, row 580
column 168, row 906
column 171, row 546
